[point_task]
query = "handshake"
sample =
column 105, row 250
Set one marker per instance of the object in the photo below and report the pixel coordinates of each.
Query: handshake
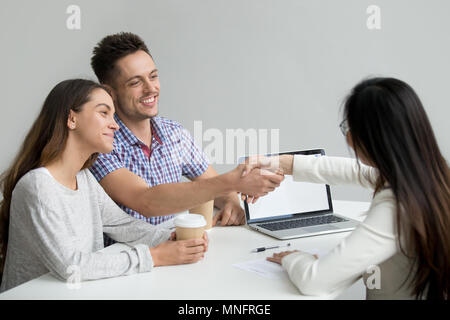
column 260, row 175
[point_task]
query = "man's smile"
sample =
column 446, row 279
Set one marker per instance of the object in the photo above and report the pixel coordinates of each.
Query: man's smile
column 149, row 101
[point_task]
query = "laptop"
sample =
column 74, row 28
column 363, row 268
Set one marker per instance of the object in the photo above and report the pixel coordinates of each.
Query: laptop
column 297, row 209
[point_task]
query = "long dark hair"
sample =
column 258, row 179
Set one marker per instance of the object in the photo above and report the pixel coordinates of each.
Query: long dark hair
column 44, row 143
column 390, row 128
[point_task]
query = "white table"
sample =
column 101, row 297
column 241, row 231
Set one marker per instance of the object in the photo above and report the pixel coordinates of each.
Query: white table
column 214, row 277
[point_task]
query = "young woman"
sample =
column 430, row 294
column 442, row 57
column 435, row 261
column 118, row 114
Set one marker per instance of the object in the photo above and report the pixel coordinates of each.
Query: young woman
column 56, row 212
column 407, row 229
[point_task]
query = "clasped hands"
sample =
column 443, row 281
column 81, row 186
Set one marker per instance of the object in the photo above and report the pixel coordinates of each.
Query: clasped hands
column 270, row 171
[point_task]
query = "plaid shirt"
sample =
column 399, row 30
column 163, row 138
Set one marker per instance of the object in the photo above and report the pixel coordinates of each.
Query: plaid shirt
column 173, row 154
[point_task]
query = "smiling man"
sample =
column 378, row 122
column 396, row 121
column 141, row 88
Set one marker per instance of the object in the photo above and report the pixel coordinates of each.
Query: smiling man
column 151, row 153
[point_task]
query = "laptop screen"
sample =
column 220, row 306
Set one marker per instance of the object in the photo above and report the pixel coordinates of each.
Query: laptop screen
column 291, row 198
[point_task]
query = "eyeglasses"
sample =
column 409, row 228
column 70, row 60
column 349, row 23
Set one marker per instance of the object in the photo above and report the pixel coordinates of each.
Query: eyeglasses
column 344, row 127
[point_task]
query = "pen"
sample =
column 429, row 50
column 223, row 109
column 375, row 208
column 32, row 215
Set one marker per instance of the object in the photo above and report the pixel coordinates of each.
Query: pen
column 267, row 248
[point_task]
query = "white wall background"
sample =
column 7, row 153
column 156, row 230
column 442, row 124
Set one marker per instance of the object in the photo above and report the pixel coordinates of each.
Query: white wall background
column 261, row 64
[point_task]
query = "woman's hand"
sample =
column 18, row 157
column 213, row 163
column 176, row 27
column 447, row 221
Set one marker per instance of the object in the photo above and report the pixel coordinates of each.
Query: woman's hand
column 173, row 237
column 173, row 252
column 278, row 256
column 261, row 162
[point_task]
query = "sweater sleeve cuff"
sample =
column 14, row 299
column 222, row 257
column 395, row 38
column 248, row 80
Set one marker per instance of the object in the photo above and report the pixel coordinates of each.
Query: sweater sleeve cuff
column 161, row 235
column 145, row 258
column 290, row 260
column 299, row 166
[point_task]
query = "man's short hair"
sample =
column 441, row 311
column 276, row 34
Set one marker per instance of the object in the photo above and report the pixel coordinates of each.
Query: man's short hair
column 112, row 48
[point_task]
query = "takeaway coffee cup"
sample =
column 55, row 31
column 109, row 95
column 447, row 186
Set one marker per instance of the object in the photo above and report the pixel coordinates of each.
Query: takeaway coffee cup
column 206, row 210
column 189, row 226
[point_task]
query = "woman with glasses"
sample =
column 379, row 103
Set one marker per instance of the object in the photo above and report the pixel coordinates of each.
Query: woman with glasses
column 406, row 232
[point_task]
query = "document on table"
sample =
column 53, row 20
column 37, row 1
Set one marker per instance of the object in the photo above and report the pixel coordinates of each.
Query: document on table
column 266, row 268
column 262, row 267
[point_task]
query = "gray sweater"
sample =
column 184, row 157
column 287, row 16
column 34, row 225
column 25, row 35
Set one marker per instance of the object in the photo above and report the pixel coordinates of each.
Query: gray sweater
column 53, row 228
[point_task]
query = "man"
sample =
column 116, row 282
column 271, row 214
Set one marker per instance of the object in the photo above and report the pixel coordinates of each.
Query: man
column 151, row 153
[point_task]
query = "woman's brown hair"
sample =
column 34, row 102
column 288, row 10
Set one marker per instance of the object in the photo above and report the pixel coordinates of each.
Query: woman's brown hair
column 44, row 143
column 389, row 126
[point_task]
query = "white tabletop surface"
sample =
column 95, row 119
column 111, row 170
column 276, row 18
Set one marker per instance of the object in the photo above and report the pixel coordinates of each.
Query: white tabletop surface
column 214, row 277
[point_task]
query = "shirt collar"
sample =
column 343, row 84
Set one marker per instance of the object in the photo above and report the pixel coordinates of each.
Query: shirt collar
column 129, row 137
column 157, row 132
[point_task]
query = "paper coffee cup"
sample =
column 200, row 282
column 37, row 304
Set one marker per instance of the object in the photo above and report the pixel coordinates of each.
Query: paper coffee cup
column 206, row 210
column 189, row 226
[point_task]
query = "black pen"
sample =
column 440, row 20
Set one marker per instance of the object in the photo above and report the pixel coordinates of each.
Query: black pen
column 267, row 248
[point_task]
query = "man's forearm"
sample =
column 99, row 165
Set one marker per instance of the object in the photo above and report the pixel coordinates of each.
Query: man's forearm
column 169, row 198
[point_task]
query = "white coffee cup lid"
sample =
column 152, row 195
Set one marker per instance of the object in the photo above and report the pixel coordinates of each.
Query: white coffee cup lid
column 190, row 221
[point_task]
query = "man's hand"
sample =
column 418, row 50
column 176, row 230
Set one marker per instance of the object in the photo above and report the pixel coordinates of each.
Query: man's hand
column 231, row 213
column 174, row 252
column 278, row 164
column 257, row 182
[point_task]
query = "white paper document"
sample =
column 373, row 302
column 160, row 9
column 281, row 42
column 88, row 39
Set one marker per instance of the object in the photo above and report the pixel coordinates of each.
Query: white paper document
column 268, row 269
column 262, row 267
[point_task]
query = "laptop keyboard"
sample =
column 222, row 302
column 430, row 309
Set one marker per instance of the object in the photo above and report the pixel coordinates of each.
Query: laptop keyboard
column 299, row 223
